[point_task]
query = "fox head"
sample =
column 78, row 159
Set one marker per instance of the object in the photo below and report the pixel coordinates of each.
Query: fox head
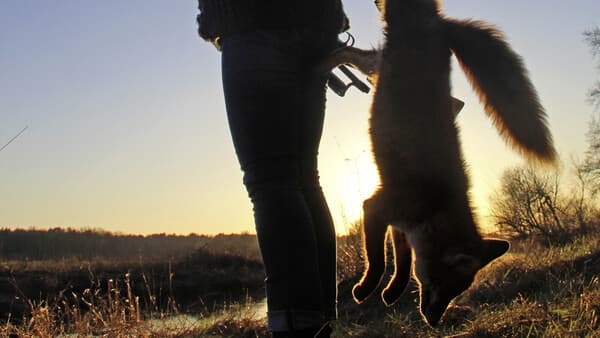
column 443, row 277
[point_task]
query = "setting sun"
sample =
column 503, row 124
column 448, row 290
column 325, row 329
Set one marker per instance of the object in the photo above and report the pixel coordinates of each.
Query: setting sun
column 355, row 184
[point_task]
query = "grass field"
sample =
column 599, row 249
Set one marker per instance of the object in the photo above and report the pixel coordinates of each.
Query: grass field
column 537, row 290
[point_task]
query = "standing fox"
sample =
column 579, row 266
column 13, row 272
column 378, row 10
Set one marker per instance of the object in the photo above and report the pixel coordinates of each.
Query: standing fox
column 424, row 188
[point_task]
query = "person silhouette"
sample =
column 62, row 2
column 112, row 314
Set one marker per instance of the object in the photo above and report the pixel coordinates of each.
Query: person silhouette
column 275, row 106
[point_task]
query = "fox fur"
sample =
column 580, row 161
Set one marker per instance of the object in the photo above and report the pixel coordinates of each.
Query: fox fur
column 415, row 143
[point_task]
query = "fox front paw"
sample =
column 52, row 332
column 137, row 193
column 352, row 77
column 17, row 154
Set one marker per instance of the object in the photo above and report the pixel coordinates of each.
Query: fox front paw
column 360, row 293
column 390, row 296
column 396, row 286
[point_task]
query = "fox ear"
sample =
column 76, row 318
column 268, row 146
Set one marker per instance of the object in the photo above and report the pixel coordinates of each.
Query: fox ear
column 463, row 261
column 493, row 248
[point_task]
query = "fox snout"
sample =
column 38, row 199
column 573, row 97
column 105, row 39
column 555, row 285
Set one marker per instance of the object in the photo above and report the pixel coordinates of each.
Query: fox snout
column 432, row 308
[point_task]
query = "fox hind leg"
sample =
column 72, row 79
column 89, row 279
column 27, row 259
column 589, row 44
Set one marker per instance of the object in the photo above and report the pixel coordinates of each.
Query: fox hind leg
column 402, row 263
column 374, row 230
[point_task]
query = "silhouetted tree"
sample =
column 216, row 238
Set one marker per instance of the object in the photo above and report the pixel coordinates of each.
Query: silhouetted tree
column 592, row 37
column 583, row 195
column 589, row 169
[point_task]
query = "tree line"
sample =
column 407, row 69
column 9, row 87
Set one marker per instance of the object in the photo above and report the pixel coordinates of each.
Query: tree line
column 61, row 243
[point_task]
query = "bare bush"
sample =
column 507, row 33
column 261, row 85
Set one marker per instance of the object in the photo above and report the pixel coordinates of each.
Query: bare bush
column 528, row 203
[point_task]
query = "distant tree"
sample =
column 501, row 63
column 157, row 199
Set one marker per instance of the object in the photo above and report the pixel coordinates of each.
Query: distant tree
column 582, row 201
column 61, row 243
column 590, row 168
column 592, row 37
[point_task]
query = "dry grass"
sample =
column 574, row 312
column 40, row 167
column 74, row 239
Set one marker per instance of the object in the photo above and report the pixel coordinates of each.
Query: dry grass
column 99, row 310
column 535, row 291
column 113, row 310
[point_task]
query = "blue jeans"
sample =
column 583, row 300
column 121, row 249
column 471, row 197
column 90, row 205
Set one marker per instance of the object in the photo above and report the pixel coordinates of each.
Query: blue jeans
column 275, row 107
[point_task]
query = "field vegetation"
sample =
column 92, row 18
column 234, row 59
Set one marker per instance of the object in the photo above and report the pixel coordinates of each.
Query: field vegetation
column 539, row 289
column 111, row 284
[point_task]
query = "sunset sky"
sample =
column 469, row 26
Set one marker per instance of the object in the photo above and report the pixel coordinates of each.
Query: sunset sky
column 127, row 127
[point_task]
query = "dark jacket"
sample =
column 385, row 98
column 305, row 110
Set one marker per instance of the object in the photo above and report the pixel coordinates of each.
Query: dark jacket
column 219, row 18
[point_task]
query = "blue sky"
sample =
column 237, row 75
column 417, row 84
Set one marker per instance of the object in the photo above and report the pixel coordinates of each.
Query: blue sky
column 127, row 128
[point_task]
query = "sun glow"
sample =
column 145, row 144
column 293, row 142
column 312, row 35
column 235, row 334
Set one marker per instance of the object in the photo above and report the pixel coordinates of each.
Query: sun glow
column 358, row 179
column 358, row 182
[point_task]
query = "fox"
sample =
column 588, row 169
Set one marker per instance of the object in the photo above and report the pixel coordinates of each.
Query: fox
column 424, row 188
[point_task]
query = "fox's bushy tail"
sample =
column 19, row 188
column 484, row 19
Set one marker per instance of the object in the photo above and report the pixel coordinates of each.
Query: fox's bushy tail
column 499, row 78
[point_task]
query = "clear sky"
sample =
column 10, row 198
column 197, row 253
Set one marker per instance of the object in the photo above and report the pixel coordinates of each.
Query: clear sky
column 127, row 128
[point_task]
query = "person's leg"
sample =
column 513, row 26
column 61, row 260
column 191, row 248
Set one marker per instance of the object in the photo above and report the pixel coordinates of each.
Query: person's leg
column 325, row 241
column 265, row 110
column 311, row 130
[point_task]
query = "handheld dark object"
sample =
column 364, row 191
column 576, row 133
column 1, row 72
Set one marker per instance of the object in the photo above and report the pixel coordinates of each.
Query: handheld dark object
column 340, row 87
column 336, row 84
